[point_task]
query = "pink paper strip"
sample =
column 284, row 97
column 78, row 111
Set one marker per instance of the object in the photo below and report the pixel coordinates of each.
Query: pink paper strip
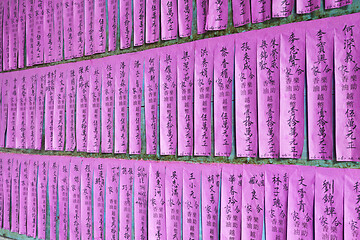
column 282, row 8
column 185, row 94
column 268, row 61
column 21, row 33
column 2, row 133
column 139, row 21
column 68, row 9
column 141, row 199
column 49, row 107
column 300, row 203
column 59, row 108
column 351, row 204
column 169, row 19
column 39, row 108
column 49, row 31
column 1, row 34
column 135, row 99
column 126, row 199
column 39, row 32
column 152, row 21
column 223, row 81
column 11, row 122
column 307, row 6
column 99, row 198
column 168, row 134
column 156, row 205
column 58, row 30
column 217, row 15
column 319, row 64
column 31, row 107
column 201, row 14
column 32, row 198
column 125, row 23
column 113, row 23
column 79, row 28
column 329, row 200
column 99, row 26
column 329, row 4
column 185, row 14
column 41, row 197
column 63, row 187
column 2, row 175
column 7, row 162
column 231, row 201
column 13, row 37
column 245, row 97
column 24, row 190
column 260, row 11
column 30, row 32
column 70, row 89
column 173, row 199
column 151, row 85
column 4, row 107
column 6, row 35
column 292, row 83
column 112, row 194
column 53, row 191
column 253, row 201
column 21, row 110
column 86, row 203
column 15, row 194
column 74, row 199
column 241, row 12
column 89, row 27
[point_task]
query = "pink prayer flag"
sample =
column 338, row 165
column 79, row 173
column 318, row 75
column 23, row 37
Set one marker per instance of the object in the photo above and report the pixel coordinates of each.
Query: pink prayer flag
column 59, row 108
column 63, row 187
column 241, row 12
column 4, row 107
column 135, row 96
column 260, row 11
column 329, row 203
column 85, row 195
column 307, row 6
column 268, row 74
column 58, row 30
column 125, row 23
column 139, row 21
column 68, row 9
column 282, row 8
column 41, row 196
column 89, row 27
column 32, row 77
column 141, row 181
column 126, row 199
column 231, row 201
column 6, row 35
column 24, row 190
column 32, row 198
column 223, row 81
column 319, row 74
column 2, row 3
column 201, row 14
column 74, row 198
column 185, row 14
column 51, row 78
column 39, row 108
column 79, row 28
column 30, row 32
column 53, row 194
column 99, row 26
column 39, row 32
column 15, row 194
column 156, row 204
column 300, row 203
column 22, row 128
column 70, row 89
column 151, row 87
column 292, row 83
column 191, row 201
column 20, row 31
column 2, row 133
column 99, row 199
column 13, row 36
column 2, row 167
column 253, row 201
column 168, row 134
column 49, row 31
column 329, row 4
column 173, row 199
column 14, row 80
column 169, row 19
column 112, row 6
column 217, row 15
column 7, row 168
column 152, row 21
column 185, row 95
column 245, row 96
column 351, row 204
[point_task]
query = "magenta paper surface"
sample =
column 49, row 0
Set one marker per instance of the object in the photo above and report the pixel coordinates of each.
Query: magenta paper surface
column 139, row 21
column 112, row 194
column 241, row 12
column 14, row 80
column 169, row 19
column 191, row 201
column 210, row 186
column 40, row 102
column 15, row 195
column 245, row 97
column 86, row 204
column 30, row 32
column 319, row 61
column 223, row 79
column 6, row 35
column 68, row 9
column 276, row 195
column 63, row 186
column 231, row 201
column 185, row 15
column 217, row 15
column 202, row 97
column 152, row 21
column 351, row 204
column 282, row 8
column 268, row 61
column 1, row 34
column 185, row 94
column 253, row 201
column 135, row 96
column 307, row 6
column 100, row 26
column 99, row 199
column 31, row 77
column 112, row 6
column 32, row 198
column 79, row 28
column 125, row 23
column 24, row 189
column 49, row 31
column 300, row 203
column 329, row 4
column 41, row 197
column 201, row 14
column 13, row 36
column 173, row 198
column 260, row 11
column 21, row 110
column 49, row 107
column 21, row 33
column 59, row 108
column 89, row 27
column 93, row 135
column 151, row 85
column 156, row 204
column 168, row 134
column 58, row 30
column 53, row 191
column 140, row 199
column 39, row 32
column 70, row 106
column 4, row 106
column 125, row 199
column 7, row 166
column 2, row 166
column 292, row 83
column 329, row 203
column 74, row 198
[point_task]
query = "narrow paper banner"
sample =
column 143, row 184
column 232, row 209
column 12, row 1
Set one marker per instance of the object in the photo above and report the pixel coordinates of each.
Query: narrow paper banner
column 89, row 27
column 351, row 204
column 49, row 31
column 276, row 195
column 329, row 4
column 140, row 200
column 32, row 198
column 135, row 96
column 268, row 66
column 70, row 107
column 307, row 6
column 63, row 187
column 185, row 14
column 39, row 32
column 13, row 36
column 24, row 190
column 59, row 108
column 112, row 194
column 169, row 19
column 139, row 21
column 151, row 85
column 4, row 107
column 41, row 197
column 58, row 30
column 112, row 7
column 21, row 110
column 53, row 194
column 99, row 199
column 253, row 192
column 30, row 32
column 14, row 80
column 260, row 11
column 173, row 198
column 40, row 102
column 2, row 166
column 185, row 95
column 100, row 26
column 245, row 96
column 210, row 187
column 6, row 35
column 168, row 134
column 21, row 28
column 1, row 35
column 217, row 15
column 15, row 194
column 319, row 65
column 201, row 14
column 152, row 21
column 49, row 107
column 32, row 77
column 241, row 12
column 126, row 199
column 329, row 200
column 86, row 202
column 231, row 202
column 292, row 83
column 281, row 8
column 79, row 27
column 74, row 198
column 7, row 162
column 223, row 81
column 125, row 23
column 68, row 9
column 156, row 205
column 300, row 203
